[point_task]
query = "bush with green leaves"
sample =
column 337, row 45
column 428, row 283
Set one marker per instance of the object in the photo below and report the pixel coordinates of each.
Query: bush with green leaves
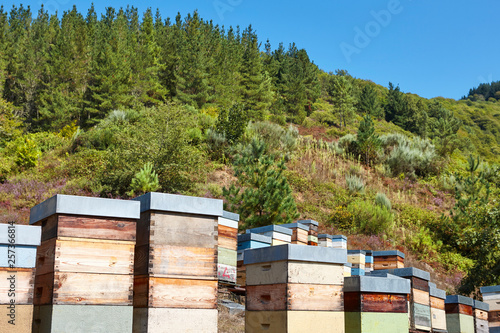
column 370, row 219
column 355, row 184
column 24, row 150
column 277, row 138
column 146, row 180
column 383, row 201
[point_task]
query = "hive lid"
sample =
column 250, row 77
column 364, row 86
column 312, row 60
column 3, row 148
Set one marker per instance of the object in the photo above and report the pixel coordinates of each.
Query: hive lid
column 230, row 215
column 254, row 237
column 490, row 289
column 269, row 228
column 29, row 235
column 408, row 272
column 356, row 252
column 369, row 252
column 436, row 292
column 166, row 202
column 481, row 305
column 453, row 299
column 377, row 284
column 388, row 253
column 332, row 237
column 306, row 222
column 88, row 206
column 296, row 252
column 227, row 222
column 295, row 225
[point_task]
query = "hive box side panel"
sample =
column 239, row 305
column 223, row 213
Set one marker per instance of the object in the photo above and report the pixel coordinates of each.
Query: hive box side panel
column 22, row 281
column 178, row 229
column 437, row 303
column 315, row 273
column 466, row 324
column 16, row 322
column 226, row 273
column 353, row 322
column 45, row 257
column 315, row 297
column 228, row 243
column 438, row 319
column 421, row 315
column 96, row 228
column 92, row 289
column 227, row 234
column 480, row 314
column 83, row 318
column 183, row 293
column 494, row 304
column 24, row 256
column 267, row 273
column 166, row 260
column 453, row 323
column 481, row 326
column 420, row 297
column 376, row 302
column 163, row 320
column 44, row 289
column 226, row 256
column 266, row 321
column 315, row 321
column 383, row 322
column 271, row 297
column 143, row 228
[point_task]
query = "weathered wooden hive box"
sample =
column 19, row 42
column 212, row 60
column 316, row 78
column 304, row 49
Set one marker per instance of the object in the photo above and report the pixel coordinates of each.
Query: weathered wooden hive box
column 481, row 310
column 325, row 240
column 18, row 246
column 459, row 314
column 84, row 275
column 248, row 241
column 357, row 259
column 339, row 242
column 347, row 269
column 388, row 259
column 295, row 288
column 312, row 238
column 279, row 235
column 175, row 283
column 491, row 296
column 227, row 247
column 368, row 261
column 438, row 313
column 300, row 232
column 376, row 304
column 420, row 310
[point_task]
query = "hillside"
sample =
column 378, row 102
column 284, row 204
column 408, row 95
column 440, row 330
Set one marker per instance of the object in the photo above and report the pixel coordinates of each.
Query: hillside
column 122, row 105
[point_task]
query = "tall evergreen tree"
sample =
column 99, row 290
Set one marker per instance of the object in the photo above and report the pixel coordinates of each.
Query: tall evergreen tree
column 369, row 102
column 395, row 104
column 367, row 142
column 341, row 95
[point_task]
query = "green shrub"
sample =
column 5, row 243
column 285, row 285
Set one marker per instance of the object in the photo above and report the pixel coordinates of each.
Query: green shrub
column 324, row 117
column 309, row 123
column 217, row 144
column 342, row 219
column 355, row 184
column 383, row 201
column 370, row 219
column 146, row 180
column 277, row 138
column 25, row 151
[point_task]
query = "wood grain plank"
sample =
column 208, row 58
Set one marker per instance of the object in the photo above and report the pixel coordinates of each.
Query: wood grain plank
column 420, row 296
column 43, row 289
column 421, row 316
column 183, row 293
column 141, row 291
column 315, row 297
column 420, row 284
column 480, row 314
column 377, row 302
column 45, row 257
column 459, row 308
column 272, row 297
column 96, row 227
column 299, row 235
column 437, row 303
column 438, row 319
column 228, row 243
column 494, row 316
column 21, row 282
column 225, row 231
column 182, row 260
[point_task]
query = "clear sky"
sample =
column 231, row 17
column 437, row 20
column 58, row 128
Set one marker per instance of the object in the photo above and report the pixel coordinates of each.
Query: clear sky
column 431, row 48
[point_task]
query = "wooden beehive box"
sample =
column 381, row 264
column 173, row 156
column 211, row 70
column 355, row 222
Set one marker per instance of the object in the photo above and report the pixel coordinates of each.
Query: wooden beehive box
column 18, row 245
column 300, row 232
column 176, row 262
column 420, row 311
column 339, row 241
column 84, row 264
column 293, row 287
column 325, row 240
column 279, row 235
column 388, row 260
column 491, row 296
column 481, row 310
column 357, row 259
column 227, row 247
column 312, row 238
column 438, row 313
column 368, row 261
column 376, row 304
column 347, row 269
column 248, row 241
column 459, row 314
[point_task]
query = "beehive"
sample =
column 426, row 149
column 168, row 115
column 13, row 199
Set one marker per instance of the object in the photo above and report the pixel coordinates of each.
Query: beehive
column 368, row 261
column 459, row 314
column 312, row 238
column 176, row 264
column 376, row 304
column 279, row 235
column 491, row 296
column 227, row 247
column 388, row 259
column 357, row 259
column 248, row 241
column 300, row 232
column 84, row 276
column 347, row 269
column 339, row 241
column 294, row 288
column 325, row 240
column 438, row 314
column 481, row 310
column 18, row 245
column 420, row 311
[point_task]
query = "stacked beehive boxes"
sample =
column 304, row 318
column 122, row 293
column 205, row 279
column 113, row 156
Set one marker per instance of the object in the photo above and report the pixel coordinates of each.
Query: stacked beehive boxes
column 175, row 283
column 368, row 261
column 300, row 232
column 420, row 312
column 357, row 259
column 438, row 314
column 18, row 245
column 325, row 240
column 84, row 273
column 339, row 242
column 388, row 259
column 227, row 247
column 481, row 316
column 347, row 269
column 295, row 288
column 245, row 242
column 376, row 304
column 459, row 314
column 491, row 296
column 279, row 235
column 312, row 238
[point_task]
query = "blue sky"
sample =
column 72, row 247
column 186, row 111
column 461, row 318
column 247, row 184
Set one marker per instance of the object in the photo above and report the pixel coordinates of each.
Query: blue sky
column 431, row 48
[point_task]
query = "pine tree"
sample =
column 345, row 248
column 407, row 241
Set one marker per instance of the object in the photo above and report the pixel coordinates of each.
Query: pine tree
column 369, row 103
column 394, row 106
column 263, row 195
column 341, row 95
column 367, row 142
